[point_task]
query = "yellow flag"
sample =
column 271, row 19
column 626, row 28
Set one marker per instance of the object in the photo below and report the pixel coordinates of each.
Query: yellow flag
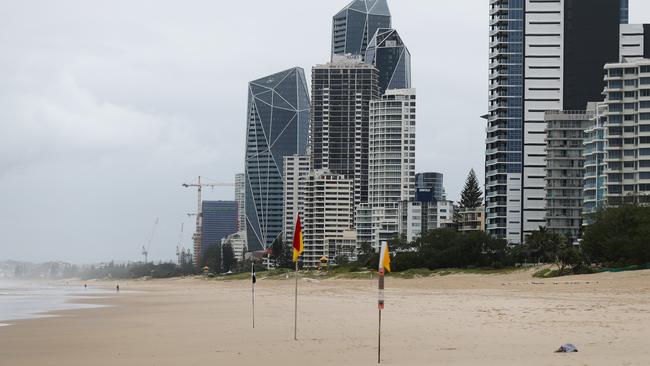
column 384, row 257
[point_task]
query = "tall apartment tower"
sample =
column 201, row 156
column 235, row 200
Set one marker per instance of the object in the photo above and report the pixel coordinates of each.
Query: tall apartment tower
column 565, row 166
column 391, row 177
column 544, row 55
column 240, row 198
column 627, row 126
column 388, row 53
column 278, row 125
column 356, row 24
column 341, row 94
column 328, row 211
column 595, row 166
column 296, row 168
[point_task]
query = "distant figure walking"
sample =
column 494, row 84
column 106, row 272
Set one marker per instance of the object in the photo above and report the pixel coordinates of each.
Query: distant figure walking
column 85, row 286
column 118, row 288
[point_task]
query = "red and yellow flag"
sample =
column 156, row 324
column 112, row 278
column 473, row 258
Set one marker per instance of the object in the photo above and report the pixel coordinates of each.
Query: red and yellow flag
column 298, row 245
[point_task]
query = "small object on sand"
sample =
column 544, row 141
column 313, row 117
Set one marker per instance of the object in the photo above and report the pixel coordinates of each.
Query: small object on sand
column 567, row 348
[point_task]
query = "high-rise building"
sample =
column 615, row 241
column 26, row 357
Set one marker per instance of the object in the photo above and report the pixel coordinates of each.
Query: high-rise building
column 240, row 198
column 278, row 124
column 328, row 211
column 594, row 154
column 387, row 52
column 430, row 183
column 296, row 168
column 627, row 125
column 219, row 221
column 341, row 94
column 634, row 41
column 354, row 26
column 544, row 55
column 391, row 173
column 565, row 137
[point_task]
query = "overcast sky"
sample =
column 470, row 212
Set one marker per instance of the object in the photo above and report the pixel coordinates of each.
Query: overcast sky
column 106, row 107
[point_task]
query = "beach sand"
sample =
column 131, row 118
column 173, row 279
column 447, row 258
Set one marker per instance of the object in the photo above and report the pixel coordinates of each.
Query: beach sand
column 460, row 319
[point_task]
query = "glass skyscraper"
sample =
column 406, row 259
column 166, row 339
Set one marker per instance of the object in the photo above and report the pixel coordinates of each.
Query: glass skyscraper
column 354, row 26
column 387, row 52
column 219, row 221
column 278, row 124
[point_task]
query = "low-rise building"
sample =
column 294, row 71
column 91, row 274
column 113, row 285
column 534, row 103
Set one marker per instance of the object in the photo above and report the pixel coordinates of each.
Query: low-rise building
column 471, row 219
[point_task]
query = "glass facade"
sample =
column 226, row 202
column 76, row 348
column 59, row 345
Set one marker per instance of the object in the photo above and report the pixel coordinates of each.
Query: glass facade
column 429, row 186
column 625, row 11
column 387, row 52
column 219, row 221
column 278, row 124
column 353, row 26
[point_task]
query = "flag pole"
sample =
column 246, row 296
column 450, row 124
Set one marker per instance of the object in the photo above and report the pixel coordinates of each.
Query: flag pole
column 295, row 312
column 379, row 340
column 253, row 287
column 384, row 265
column 380, row 305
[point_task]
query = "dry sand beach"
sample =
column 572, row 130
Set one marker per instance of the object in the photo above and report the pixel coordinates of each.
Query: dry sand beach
column 460, row 319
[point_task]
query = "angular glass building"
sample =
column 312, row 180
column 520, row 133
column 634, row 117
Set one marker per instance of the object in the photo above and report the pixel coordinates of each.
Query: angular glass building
column 387, row 52
column 354, row 26
column 278, row 124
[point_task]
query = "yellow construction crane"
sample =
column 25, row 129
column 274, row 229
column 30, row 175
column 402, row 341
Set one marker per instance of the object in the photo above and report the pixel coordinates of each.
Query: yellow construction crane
column 199, row 215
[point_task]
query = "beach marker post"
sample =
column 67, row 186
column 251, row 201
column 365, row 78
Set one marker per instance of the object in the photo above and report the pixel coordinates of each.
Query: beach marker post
column 253, row 280
column 384, row 265
column 298, row 247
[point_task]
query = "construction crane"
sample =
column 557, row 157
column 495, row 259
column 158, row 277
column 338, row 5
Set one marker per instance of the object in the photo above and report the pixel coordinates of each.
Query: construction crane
column 179, row 248
column 199, row 214
column 145, row 249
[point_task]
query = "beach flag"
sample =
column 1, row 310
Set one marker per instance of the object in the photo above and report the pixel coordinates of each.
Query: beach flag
column 298, row 245
column 384, row 265
column 384, row 257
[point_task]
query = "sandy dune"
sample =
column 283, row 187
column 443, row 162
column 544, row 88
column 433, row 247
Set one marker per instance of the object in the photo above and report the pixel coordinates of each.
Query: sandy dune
column 450, row 320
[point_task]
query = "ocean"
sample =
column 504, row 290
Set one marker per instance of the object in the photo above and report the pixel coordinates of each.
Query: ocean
column 31, row 299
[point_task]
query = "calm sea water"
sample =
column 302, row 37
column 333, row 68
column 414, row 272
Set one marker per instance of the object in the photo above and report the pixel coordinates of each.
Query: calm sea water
column 26, row 300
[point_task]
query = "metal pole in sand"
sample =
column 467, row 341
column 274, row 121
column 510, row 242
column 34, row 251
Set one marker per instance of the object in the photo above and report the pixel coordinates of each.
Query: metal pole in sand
column 295, row 318
column 253, row 280
column 380, row 306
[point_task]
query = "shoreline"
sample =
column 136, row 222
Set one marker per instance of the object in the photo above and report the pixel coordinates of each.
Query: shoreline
column 37, row 299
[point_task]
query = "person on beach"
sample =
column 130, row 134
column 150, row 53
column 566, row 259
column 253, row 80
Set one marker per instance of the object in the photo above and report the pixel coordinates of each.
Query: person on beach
column 85, row 286
column 118, row 287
